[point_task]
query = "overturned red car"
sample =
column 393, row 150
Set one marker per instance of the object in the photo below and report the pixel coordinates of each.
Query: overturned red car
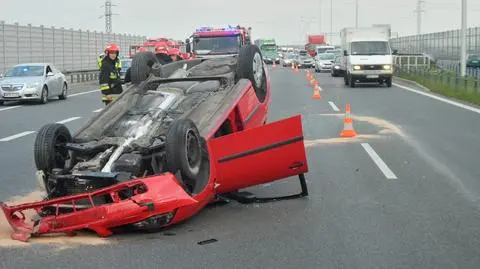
column 180, row 136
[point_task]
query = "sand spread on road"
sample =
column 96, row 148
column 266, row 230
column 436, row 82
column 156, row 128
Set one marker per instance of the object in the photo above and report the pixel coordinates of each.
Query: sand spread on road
column 386, row 127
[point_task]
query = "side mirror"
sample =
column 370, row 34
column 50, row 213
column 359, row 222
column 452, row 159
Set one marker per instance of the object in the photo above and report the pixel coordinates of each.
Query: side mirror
column 187, row 41
column 50, row 74
column 395, row 52
column 345, row 53
column 188, row 48
column 1, row 75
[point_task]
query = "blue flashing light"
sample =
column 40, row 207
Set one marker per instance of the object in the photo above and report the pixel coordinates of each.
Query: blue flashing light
column 211, row 29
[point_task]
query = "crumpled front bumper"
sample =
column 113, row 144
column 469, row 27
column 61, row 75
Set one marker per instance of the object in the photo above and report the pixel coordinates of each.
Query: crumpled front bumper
column 140, row 202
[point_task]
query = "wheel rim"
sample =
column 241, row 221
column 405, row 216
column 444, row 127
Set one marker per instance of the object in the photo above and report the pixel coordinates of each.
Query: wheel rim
column 192, row 150
column 257, row 69
column 44, row 96
column 61, row 153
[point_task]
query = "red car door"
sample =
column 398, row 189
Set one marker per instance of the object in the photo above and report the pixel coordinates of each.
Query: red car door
column 259, row 155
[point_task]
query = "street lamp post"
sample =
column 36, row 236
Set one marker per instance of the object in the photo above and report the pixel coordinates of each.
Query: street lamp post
column 356, row 13
column 463, row 56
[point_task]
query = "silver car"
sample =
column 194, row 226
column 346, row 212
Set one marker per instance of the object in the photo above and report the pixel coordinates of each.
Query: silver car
column 32, row 82
column 324, row 61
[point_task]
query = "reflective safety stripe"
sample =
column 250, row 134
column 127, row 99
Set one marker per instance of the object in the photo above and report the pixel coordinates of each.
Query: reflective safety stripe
column 104, row 87
column 108, row 98
column 118, row 65
column 113, row 75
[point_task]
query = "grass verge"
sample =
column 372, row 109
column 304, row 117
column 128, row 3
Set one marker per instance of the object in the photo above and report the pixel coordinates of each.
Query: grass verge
column 445, row 83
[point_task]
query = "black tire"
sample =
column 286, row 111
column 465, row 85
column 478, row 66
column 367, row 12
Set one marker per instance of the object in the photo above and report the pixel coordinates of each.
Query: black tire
column 64, row 94
column 389, row 82
column 351, row 81
column 49, row 152
column 247, row 57
column 2, row 102
column 184, row 151
column 44, row 96
column 345, row 78
column 142, row 65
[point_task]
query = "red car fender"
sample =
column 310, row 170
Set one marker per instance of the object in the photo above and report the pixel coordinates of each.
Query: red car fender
column 206, row 196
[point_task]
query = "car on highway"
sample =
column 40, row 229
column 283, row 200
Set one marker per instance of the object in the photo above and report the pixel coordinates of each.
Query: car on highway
column 182, row 136
column 324, row 61
column 473, row 61
column 304, row 60
column 126, row 64
column 33, row 82
column 289, row 59
column 337, row 68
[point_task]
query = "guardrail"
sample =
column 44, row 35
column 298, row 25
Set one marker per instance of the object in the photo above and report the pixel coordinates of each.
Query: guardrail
column 82, row 76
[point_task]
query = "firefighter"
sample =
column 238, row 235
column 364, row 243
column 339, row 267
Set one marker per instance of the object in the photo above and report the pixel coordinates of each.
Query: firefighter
column 162, row 55
column 174, row 54
column 100, row 58
column 110, row 67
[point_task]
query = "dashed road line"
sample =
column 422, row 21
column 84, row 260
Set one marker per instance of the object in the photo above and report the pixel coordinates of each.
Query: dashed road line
column 441, row 99
column 68, row 120
column 334, row 107
column 379, row 162
column 15, row 136
column 8, row 108
column 70, row 95
column 98, row 110
column 82, row 93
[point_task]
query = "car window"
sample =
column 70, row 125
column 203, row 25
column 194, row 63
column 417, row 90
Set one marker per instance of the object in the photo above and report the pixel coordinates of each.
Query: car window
column 25, row 71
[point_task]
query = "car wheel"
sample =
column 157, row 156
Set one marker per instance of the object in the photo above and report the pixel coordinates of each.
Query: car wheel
column 2, row 102
column 63, row 96
column 44, row 95
column 389, row 82
column 49, row 150
column 345, row 79
column 142, row 65
column 351, row 81
column 250, row 66
column 184, row 152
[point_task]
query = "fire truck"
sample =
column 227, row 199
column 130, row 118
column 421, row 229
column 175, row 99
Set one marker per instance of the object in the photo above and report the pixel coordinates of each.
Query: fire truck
column 207, row 42
column 151, row 43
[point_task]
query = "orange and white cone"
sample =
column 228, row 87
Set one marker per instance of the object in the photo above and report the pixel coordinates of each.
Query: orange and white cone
column 274, row 65
column 313, row 81
column 316, row 93
column 348, row 130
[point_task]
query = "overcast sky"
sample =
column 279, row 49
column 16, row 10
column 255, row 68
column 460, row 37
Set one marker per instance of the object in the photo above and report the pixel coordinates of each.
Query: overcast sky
column 287, row 21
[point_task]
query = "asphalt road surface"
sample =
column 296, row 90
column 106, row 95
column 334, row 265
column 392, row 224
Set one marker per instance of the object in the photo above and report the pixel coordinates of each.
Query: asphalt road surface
column 402, row 194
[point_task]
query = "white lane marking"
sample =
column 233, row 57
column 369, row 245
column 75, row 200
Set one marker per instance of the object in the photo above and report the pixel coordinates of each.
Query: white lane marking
column 68, row 120
column 334, row 107
column 445, row 100
column 8, row 108
column 379, row 162
column 70, row 95
column 98, row 110
column 15, row 136
column 82, row 93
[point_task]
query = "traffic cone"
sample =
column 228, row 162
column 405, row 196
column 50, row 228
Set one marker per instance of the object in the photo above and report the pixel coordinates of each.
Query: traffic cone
column 274, row 65
column 296, row 69
column 312, row 81
column 316, row 93
column 348, row 130
column 293, row 66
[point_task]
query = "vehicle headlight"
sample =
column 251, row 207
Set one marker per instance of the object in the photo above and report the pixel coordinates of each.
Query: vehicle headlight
column 356, row 67
column 33, row 85
column 387, row 67
column 337, row 67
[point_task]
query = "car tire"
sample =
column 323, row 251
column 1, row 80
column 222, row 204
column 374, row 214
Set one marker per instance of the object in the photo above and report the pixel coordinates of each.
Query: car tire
column 63, row 96
column 142, row 65
column 250, row 66
column 48, row 151
column 388, row 81
column 345, row 79
column 184, row 151
column 2, row 102
column 351, row 81
column 44, row 96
